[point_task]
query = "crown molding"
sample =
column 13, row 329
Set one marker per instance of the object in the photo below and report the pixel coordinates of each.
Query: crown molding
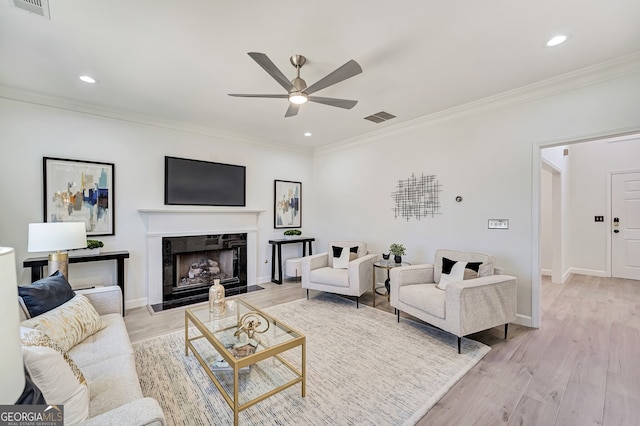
column 604, row 71
column 30, row 97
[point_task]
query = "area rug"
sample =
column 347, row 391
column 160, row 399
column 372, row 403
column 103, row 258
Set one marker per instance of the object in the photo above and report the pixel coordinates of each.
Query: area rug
column 363, row 368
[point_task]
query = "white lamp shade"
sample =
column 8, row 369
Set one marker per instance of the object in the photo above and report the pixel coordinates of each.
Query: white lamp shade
column 11, row 367
column 52, row 236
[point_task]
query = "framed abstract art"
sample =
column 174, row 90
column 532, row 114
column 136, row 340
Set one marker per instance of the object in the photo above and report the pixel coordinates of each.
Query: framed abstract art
column 80, row 191
column 287, row 204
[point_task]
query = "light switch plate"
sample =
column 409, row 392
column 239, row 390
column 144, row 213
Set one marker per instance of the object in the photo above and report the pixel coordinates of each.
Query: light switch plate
column 498, row 223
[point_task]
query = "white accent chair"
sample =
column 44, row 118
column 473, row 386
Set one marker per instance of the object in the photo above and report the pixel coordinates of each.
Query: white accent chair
column 465, row 306
column 318, row 272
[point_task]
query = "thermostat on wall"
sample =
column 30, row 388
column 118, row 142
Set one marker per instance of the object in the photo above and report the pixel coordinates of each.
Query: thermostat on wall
column 498, row 223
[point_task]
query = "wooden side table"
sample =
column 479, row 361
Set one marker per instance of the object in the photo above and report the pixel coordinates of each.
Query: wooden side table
column 388, row 265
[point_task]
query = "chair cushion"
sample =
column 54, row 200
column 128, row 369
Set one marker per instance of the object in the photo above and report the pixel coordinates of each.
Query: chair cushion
column 486, row 268
column 330, row 276
column 425, row 297
column 361, row 247
column 455, row 274
column 46, row 294
column 342, row 256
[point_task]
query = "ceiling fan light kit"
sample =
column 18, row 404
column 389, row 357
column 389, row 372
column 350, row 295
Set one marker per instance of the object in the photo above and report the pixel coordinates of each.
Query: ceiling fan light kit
column 298, row 92
column 298, row 98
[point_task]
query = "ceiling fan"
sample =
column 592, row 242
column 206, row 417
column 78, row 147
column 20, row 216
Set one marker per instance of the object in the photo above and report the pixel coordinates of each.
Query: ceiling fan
column 297, row 91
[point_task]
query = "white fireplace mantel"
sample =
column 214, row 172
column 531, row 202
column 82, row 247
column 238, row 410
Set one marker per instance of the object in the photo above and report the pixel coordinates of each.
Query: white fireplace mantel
column 171, row 222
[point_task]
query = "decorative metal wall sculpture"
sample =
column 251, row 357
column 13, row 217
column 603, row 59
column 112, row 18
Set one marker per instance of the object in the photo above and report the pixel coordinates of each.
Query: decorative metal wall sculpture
column 417, row 197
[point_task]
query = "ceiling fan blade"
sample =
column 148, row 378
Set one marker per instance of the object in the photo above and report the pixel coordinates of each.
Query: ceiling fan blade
column 340, row 103
column 264, row 61
column 242, row 95
column 346, row 71
column 292, row 110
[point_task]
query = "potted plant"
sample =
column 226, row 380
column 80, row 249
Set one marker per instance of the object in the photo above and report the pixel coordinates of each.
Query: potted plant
column 397, row 250
column 292, row 233
column 93, row 247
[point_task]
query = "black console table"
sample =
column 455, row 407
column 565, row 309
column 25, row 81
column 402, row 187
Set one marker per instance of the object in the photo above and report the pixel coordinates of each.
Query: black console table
column 37, row 263
column 276, row 245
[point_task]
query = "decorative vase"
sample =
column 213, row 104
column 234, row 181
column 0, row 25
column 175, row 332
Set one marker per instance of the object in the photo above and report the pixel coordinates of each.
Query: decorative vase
column 397, row 259
column 217, row 304
column 385, row 256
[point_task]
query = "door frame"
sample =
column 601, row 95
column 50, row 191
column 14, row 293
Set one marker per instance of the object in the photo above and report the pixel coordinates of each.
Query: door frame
column 610, row 216
column 536, row 159
column 557, row 274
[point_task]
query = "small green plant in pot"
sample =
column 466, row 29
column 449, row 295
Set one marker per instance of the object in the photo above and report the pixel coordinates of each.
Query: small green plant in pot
column 397, row 250
column 292, row 233
column 94, row 244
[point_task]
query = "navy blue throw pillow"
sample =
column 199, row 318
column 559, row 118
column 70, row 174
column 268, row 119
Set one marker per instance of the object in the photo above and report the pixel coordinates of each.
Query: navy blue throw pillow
column 46, row 294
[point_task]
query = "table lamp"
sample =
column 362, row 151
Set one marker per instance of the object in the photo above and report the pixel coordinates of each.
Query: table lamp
column 57, row 236
column 11, row 367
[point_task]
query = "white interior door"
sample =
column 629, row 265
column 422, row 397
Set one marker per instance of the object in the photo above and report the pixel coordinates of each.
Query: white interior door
column 625, row 226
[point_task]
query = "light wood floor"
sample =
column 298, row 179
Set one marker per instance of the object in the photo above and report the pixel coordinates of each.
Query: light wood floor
column 581, row 367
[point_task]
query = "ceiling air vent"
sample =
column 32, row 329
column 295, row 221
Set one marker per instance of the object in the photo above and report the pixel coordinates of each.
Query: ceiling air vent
column 379, row 117
column 38, row 7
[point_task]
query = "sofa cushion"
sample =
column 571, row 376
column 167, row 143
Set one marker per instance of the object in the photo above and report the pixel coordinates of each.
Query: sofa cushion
column 55, row 374
column 113, row 382
column 425, row 297
column 330, row 276
column 69, row 323
column 110, row 342
column 45, row 294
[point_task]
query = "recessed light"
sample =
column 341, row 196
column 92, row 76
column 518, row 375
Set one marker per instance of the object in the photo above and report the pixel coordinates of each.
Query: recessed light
column 88, row 79
column 556, row 40
column 307, row 134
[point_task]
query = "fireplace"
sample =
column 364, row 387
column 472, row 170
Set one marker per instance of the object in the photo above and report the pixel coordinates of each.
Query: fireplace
column 198, row 222
column 191, row 263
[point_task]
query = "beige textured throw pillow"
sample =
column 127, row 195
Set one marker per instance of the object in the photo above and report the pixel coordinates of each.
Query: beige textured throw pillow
column 55, row 374
column 69, row 323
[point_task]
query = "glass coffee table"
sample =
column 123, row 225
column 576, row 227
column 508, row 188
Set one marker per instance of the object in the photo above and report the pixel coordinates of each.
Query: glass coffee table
column 245, row 344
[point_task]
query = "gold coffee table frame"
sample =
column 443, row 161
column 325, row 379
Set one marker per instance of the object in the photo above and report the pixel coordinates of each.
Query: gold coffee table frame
column 263, row 352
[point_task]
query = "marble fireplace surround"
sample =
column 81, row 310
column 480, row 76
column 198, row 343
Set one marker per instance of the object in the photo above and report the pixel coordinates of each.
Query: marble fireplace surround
column 175, row 222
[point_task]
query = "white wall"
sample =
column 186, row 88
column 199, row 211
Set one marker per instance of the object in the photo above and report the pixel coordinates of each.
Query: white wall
column 591, row 163
column 487, row 158
column 30, row 132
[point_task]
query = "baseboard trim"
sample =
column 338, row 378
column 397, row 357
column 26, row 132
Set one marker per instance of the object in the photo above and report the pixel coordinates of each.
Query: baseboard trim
column 545, row 272
column 136, row 303
column 592, row 272
column 524, row 320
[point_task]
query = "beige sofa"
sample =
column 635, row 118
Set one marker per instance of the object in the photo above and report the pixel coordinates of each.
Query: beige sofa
column 107, row 361
column 463, row 307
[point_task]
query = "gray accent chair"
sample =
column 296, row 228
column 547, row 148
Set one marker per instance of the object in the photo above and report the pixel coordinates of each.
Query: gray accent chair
column 464, row 307
column 318, row 272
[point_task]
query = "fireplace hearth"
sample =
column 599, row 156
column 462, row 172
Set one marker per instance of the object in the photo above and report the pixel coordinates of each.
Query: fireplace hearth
column 191, row 263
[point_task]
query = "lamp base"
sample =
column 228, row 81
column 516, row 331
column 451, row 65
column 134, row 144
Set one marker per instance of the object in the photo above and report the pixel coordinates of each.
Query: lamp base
column 59, row 262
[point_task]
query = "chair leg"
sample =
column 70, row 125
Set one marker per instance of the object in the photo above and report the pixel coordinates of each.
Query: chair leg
column 506, row 329
column 398, row 312
column 459, row 341
column 307, row 294
column 357, row 301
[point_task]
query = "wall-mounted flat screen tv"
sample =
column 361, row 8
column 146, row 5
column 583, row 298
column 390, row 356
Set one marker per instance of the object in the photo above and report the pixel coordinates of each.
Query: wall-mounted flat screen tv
column 203, row 183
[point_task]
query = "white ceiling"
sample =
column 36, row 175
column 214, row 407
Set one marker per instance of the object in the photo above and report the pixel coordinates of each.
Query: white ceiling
column 176, row 61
